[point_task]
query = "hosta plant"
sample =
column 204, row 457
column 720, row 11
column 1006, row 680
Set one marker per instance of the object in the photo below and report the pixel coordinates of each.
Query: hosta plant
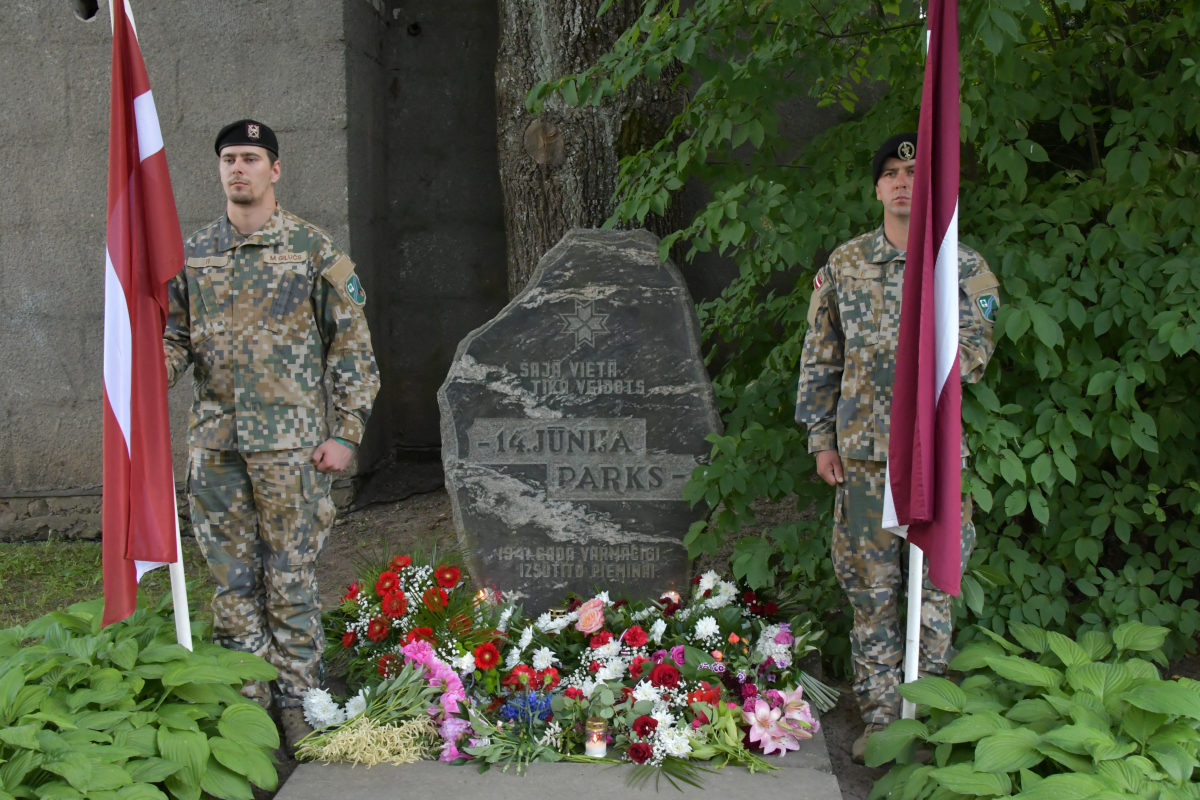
column 1048, row 717
column 125, row 713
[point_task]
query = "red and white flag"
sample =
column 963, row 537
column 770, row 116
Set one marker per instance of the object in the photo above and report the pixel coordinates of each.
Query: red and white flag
column 144, row 250
column 924, row 486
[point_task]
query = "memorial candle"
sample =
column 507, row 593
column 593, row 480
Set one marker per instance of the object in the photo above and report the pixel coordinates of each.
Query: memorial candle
column 595, row 740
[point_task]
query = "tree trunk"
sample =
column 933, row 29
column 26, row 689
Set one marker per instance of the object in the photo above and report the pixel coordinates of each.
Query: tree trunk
column 558, row 169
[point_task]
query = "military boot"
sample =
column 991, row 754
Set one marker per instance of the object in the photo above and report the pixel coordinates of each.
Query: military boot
column 858, row 751
column 295, row 727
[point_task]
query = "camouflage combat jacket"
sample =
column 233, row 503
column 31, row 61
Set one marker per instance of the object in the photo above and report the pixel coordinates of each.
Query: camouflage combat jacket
column 261, row 317
column 848, row 363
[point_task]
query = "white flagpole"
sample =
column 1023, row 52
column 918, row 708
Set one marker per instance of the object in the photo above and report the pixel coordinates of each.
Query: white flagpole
column 183, row 620
column 912, row 637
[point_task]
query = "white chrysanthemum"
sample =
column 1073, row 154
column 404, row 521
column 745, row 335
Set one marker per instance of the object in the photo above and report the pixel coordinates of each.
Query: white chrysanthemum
column 663, row 714
column 608, row 673
column 675, row 742
column 357, row 704
column 607, row 650
column 604, row 596
column 320, row 710
column 707, row 581
column 588, row 686
column 466, row 663
column 707, row 630
column 542, row 658
column 646, row 691
column 502, row 625
column 657, row 630
column 526, row 638
column 514, row 658
column 544, row 621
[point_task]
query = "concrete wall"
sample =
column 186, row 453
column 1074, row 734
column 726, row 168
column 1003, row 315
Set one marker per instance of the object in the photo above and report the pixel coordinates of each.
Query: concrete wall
column 209, row 63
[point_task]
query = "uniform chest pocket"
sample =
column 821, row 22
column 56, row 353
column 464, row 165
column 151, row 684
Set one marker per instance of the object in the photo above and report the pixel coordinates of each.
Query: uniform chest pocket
column 206, row 311
column 860, row 301
column 291, row 313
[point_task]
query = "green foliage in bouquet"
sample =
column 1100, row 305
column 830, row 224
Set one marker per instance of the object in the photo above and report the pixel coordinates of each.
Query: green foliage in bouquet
column 1071, row 718
column 1079, row 186
column 125, row 713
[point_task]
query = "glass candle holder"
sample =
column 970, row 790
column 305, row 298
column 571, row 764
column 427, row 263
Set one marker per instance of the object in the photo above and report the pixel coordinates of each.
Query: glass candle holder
column 595, row 737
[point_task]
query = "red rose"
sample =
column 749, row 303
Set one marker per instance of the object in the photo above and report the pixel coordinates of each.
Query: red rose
column 640, row 752
column 573, row 692
column 349, row 638
column 756, row 609
column 644, row 726
column 626, row 693
column 352, row 591
column 377, row 629
column 424, row 634
column 574, row 604
column 600, row 639
column 400, row 562
column 547, row 678
column 670, row 608
column 447, row 577
column 436, row 599
column 635, row 668
column 708, row 592
column 696, row 581
column 387, row 664
column 636, row 636
column 594, row 666
column 487, row 656
column 664, row 676
column 388, row 582
column 770, row 608
column 749, row 597
column 395, row 604
column 619, row 603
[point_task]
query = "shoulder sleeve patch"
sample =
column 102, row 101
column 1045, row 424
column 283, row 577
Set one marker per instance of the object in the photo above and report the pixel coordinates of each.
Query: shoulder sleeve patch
column 341, row 275
column 980, row 282
column 203, row 262
column 821, row 287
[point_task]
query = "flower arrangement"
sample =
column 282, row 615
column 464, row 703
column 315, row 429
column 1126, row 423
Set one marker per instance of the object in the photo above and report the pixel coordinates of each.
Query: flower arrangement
column 713, row 679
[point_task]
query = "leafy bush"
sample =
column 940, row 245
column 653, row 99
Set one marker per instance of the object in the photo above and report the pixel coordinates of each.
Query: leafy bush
column 1080, row 175
column 1080, row 718
column 124, row 713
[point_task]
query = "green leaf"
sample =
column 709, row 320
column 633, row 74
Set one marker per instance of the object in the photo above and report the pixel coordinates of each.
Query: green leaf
column 200, row 673
column 249, row 762
column 1102, row 680
column 1097, row 643
column 1067, row 650
column 187, row 748
column 1077, row 739
column 1136, row 636
column 106, row 777
column 21, row 736
column 964, row 780
column 1031, row 637
column 1141, row 725
column 161, row 654
column 1065, row 787
column 885, row 745
column 250, row 725
column 10, row 683
column 970, row 728
column 151, row 770
column 1020, row 670
column 935, row 692
column 140, row 791
column 1164, row 697
column 1008, row 751
column 220, row 782
column 72, row 766
column 247, row 666
column 974, row 656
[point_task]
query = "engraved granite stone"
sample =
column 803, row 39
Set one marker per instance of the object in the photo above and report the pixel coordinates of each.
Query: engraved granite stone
column 571, row 422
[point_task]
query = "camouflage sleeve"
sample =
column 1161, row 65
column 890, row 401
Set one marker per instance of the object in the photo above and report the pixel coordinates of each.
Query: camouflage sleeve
column 177, row 334
column 978, row 300
column 339, row 299
column 821, row 363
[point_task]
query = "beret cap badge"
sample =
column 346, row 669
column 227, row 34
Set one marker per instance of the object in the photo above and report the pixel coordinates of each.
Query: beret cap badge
column 907, row 151
column 253, row 130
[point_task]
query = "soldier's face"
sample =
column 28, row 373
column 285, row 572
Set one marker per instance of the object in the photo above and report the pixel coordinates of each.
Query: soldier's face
column 894, row 188
column 247, row 173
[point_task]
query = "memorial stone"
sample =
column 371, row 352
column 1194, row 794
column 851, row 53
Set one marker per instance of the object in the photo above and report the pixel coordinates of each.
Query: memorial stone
column 571, row 422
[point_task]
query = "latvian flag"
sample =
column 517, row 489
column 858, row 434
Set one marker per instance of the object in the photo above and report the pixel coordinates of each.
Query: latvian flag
column 144, row 250
column 923, row 492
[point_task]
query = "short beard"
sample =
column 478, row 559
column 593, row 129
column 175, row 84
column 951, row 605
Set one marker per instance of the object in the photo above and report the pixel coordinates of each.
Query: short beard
column 241, row 199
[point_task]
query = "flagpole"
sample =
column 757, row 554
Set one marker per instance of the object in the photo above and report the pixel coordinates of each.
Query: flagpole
column 912, row 637
column 183, row 618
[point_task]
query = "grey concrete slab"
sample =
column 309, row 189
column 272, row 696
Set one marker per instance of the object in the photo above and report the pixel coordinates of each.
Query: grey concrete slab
column 804, row 774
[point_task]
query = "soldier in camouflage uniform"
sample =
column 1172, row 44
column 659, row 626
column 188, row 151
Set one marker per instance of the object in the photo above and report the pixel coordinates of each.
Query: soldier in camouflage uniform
column 264, row 305
column 847, row 368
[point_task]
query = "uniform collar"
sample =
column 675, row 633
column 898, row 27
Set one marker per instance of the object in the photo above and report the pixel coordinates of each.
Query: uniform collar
column 268, row 235
column 881, row 250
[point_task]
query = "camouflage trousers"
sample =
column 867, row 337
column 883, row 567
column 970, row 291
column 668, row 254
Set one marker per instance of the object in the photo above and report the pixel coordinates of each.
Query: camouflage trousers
column 869, row 566
column 261, row 520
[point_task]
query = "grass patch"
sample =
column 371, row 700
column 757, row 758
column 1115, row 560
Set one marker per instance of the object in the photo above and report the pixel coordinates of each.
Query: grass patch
column 39, row 577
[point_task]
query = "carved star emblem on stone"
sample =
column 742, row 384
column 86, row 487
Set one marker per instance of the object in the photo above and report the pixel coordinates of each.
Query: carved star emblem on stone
column 585, row 323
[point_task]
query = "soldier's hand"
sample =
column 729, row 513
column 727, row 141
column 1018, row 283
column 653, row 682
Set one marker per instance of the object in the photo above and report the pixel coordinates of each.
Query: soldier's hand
column 829, row 467
column 332, row 456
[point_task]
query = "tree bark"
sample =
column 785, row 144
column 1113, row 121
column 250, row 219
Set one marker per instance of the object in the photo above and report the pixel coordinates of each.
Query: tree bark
column 558, row 169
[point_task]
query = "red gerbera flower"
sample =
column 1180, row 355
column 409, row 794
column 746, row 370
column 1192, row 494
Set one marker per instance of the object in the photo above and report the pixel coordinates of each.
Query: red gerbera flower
column 387, row 664
column 643, row 726
column 640, row 752
column 548, row 678
column 436, row 598
column 352, row 591
column 447, row 577
column 395, row 604
column 388, row 582
column 349, row 638
column 487, row 656
column 573, row 692
column 400, row 562
column 636, row 636
column 600, row 639
column 377, row 629
column 424, row 634
column 635, row 668
column 522, row 675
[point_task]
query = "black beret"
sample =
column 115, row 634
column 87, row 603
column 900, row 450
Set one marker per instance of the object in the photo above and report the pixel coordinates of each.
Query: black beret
column 891, row 149
column 247, row 132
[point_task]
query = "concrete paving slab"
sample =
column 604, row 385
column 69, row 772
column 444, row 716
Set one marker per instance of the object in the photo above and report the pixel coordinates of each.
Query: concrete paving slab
column 804, row 774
